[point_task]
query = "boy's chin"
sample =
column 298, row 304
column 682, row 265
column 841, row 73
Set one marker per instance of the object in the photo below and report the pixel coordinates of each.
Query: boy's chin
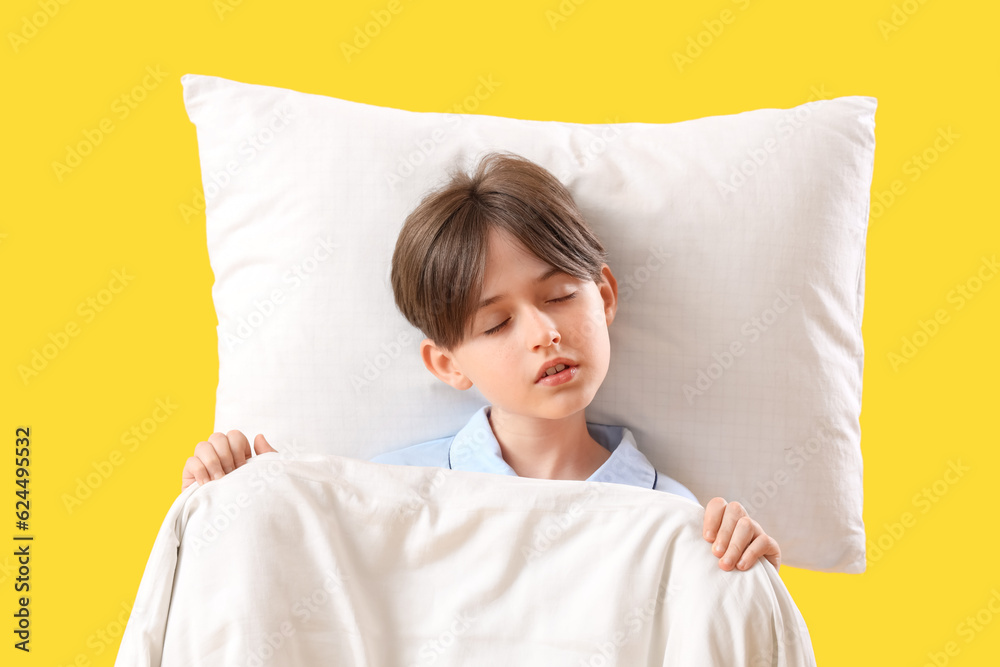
column 551, row 412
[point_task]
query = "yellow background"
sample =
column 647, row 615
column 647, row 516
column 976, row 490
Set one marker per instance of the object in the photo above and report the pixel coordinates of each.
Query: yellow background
column 934, row 68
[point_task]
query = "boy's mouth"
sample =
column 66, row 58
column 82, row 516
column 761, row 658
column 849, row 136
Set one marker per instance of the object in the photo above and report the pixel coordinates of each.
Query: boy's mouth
column 554, row 366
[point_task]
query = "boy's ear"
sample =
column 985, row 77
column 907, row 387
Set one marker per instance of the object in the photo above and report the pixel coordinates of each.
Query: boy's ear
column 442, row 364
column 609, row 292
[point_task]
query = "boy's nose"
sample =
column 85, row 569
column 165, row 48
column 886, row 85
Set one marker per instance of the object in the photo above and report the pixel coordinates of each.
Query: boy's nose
column 542, row 331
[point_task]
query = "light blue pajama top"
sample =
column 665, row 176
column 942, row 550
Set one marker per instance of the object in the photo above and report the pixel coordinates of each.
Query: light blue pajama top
column 475, row 448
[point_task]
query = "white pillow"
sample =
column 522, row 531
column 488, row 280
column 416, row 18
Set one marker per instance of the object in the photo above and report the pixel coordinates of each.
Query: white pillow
column 738, row 243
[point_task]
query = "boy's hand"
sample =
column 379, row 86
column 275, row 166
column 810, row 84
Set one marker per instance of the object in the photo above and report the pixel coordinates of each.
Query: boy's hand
column 218, row 456
column 736, row 534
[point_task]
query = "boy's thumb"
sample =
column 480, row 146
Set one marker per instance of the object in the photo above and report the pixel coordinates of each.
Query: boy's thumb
column 261, row 446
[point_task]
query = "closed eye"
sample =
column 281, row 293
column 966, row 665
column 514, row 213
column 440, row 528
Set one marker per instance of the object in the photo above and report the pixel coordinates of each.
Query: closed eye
column 497, row 328
column 571, row 295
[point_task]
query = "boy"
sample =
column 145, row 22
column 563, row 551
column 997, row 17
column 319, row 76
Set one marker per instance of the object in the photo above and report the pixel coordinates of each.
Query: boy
column 510, row 286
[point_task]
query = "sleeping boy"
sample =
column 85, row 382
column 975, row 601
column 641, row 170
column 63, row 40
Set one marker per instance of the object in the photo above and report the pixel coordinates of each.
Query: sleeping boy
column 510, row 286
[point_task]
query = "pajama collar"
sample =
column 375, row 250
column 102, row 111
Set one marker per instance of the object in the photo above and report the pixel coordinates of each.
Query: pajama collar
column 476, row 449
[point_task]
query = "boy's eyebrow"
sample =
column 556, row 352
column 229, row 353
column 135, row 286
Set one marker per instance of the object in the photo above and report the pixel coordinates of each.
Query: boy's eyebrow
column 540, row 279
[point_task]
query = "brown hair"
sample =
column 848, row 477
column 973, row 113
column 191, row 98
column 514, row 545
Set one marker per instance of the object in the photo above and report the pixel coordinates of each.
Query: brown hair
column 439, row 262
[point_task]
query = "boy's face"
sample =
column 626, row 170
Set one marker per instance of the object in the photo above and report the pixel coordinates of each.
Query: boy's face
column 535, row 327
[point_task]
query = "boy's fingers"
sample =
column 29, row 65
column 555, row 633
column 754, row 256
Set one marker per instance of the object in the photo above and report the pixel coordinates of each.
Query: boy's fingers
column 774, row 559
column 223, row 451
column 261, row 445
column 764, row 545
column 205, row 452
column 713, row 517
column 734, row 512
column 743, row 535
column 240, row 447
column 187, row 479
column 194, row 471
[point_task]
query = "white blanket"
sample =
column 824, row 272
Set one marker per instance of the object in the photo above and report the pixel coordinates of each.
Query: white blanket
column 325, row 560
